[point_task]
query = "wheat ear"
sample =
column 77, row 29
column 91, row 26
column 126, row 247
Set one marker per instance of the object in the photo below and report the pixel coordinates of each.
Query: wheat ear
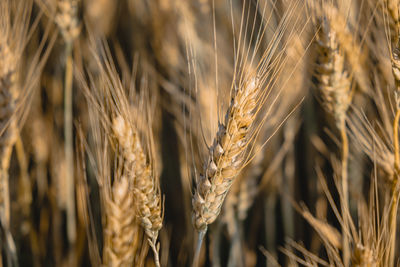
column 146, row 188
column 334, row 86
column 391, row 8
column 225, row 159
column 8, row 123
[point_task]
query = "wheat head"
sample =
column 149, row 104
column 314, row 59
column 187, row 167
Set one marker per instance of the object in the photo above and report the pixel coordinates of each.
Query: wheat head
column 226, row 155
column 333, row 79
column 146, row 189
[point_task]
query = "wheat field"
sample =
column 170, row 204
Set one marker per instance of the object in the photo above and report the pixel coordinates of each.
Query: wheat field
column 199, row 133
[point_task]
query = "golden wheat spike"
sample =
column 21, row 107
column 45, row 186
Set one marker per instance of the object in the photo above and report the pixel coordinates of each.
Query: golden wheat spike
column 334, row 83
column 145, row 185
column 146, row 189
column 226, row 155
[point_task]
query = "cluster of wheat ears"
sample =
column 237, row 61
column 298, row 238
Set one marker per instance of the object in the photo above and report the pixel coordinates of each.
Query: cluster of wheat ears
column 199, row 133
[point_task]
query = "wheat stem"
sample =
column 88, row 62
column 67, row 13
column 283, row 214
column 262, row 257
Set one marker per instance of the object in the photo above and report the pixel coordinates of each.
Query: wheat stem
column 394, row 189
column 393, row 219
column 153, row 245
column 200, row 238
column 236, row 255
column 68, row 134
column 345, row 204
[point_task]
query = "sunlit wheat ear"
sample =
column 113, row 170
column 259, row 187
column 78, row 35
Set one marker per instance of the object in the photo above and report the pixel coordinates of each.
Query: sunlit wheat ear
column 391, row 11
column 8, row 124
column 226, row 155
column 67, row 19
column 120, row 230
column 145, row 185
column 333, row 81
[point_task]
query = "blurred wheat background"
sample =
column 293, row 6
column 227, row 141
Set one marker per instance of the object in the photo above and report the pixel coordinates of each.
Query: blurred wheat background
column 199, row 133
